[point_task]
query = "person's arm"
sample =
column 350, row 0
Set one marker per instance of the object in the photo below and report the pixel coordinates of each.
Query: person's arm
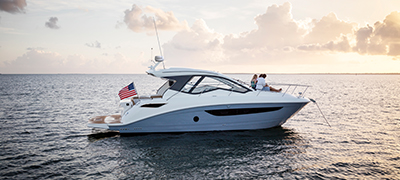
column 266, row 85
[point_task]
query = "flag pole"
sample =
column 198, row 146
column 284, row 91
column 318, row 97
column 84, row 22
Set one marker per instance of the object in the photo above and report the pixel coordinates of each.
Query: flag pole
column 137, row 93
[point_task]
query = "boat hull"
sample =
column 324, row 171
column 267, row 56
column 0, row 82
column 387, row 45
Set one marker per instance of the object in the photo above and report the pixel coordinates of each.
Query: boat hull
column 215, row 118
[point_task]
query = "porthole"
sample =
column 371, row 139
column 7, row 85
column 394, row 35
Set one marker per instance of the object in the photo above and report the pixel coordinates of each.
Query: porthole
column 196, row 119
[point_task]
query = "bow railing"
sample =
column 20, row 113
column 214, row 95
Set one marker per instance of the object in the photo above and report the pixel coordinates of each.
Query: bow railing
column 293, row 87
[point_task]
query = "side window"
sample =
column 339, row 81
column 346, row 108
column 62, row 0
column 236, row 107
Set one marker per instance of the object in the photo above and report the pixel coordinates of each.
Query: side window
column 164, row 87
column 209, row 84
column 232, row 86
column 191, row 83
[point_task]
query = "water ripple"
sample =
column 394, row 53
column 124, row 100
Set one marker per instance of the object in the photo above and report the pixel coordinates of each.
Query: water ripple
column 44, row 134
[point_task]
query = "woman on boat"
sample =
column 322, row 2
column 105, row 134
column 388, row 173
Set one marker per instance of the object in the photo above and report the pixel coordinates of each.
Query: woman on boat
column 263, row 86
column 254, row 81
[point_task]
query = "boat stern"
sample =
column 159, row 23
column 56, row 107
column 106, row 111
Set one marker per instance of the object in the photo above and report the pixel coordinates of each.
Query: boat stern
column 102, row 122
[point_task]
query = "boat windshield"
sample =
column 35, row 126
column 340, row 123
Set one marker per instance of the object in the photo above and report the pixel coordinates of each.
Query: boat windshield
column 202, row 84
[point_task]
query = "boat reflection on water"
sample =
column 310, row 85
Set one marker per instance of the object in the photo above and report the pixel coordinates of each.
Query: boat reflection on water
column 99, row 134
column 203, row 154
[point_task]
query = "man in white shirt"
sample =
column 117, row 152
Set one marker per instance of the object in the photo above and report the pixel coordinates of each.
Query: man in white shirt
column 263, row 86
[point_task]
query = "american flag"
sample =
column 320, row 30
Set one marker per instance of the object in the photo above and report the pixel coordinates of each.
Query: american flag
column 127, row 91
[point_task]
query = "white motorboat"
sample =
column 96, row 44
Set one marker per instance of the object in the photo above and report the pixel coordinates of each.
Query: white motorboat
column 194, row 100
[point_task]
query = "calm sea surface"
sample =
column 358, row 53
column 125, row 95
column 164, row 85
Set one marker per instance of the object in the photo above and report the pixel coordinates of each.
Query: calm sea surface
column 43, row 133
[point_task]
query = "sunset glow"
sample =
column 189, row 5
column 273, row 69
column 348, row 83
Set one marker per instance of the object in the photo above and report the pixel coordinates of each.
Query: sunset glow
column 43, row 37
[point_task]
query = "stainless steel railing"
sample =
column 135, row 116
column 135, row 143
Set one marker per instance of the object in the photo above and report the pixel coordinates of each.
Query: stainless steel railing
column 293, row 87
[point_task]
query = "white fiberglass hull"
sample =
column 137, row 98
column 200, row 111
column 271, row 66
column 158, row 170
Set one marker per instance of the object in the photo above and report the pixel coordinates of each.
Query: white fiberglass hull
column 197, row 100
column 214, row 118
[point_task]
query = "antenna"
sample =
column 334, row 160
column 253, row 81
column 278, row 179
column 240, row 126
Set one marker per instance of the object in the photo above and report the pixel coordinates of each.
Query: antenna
column 158, row 39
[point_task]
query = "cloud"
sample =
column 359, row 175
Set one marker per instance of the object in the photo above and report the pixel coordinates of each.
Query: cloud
column 95, row 44
column 201, row 38
column 381, row 39
column 276, row 29
column 389, row 29
column 40, row 61
column 138, row 21
column 35, row 48
column 199, row 43
column 394, row 49
column 35, row 61
column 328, row 28
column 280, row 39
column 342, row 45
column 12, row 6
column 52, row 23
column 276, row 35
column 362, row 36
column 277, row 39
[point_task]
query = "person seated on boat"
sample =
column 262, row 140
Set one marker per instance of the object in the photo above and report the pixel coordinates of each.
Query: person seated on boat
column 263, row 86
column 254, row 81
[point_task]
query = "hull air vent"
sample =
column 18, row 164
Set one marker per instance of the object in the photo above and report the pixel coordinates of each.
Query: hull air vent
column 152, row 105
column 232, row 112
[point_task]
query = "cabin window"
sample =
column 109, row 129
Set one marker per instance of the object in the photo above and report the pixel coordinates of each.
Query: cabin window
column 199, row 84
column 190, row 84
column 209, row 84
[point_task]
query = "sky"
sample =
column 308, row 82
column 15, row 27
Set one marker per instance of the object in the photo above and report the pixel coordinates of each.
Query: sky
column 254, row 36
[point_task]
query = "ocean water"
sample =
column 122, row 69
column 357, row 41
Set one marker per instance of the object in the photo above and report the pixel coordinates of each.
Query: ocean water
column 44, row 135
